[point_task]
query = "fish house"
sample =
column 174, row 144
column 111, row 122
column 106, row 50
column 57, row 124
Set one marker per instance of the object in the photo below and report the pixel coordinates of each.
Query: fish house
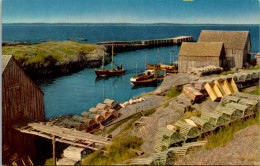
column 22, row 101
column 193, row 55
column 237, row 45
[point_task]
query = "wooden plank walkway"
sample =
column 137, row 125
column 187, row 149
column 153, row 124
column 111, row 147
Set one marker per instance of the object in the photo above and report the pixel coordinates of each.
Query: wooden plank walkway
column 64, row 135
column 120, row 46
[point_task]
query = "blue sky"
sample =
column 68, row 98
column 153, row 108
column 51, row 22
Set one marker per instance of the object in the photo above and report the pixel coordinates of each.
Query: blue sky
column 131, row 11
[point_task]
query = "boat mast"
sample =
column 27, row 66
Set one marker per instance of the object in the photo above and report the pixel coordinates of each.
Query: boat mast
column 103, row 60
column 136, row 68
column 112, row 57
column 158, row 56
column 145, row 62
column 170, row 57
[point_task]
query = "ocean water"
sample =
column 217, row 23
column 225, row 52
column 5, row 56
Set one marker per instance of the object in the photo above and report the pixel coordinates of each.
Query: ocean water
column 77, row 92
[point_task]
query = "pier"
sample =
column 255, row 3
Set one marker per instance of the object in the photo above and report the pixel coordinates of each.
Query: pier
column 121, row 46
column 65, row 135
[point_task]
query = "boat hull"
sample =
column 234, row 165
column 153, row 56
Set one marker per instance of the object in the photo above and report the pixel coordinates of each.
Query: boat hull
column 142, row 77
column 169, row 69
column 109, row 72
column 145, row 81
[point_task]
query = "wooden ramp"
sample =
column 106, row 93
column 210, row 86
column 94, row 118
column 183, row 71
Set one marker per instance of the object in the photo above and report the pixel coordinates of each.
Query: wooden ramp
column 64, row 135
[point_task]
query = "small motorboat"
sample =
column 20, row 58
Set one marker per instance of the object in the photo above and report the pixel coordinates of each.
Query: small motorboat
column 145, row 78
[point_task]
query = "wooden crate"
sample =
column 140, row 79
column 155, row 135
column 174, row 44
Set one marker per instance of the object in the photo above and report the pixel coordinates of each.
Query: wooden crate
column 213, row 91
column 192, row 93
column 74, row 153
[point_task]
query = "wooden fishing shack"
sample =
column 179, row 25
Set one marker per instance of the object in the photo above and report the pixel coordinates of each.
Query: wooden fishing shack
column 237, row 45
column 193, row 55
column 22, row 101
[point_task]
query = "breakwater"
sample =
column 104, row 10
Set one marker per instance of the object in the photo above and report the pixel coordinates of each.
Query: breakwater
column 122, row 46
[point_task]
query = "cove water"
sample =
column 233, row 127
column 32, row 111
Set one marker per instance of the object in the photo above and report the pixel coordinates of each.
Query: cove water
column 75, row 93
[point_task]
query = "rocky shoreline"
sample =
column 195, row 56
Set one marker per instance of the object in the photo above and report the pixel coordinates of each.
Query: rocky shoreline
column 52, row 66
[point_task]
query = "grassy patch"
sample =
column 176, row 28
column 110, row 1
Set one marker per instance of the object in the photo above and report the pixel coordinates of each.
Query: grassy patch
column 254, row 67
column 134, row 118
column 47, row 52
column 226, row 133
column 255, row 92
column 166, row 105
column 120, row 150
column 131, row 120
column 113, row 128
column 174, row 92
column 190, row 114
column 228, row 72
column 49, row 162
column 143, row 95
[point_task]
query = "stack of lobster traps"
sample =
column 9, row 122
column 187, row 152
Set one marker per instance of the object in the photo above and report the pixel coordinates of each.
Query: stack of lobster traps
column 231, row 108
column 90, row 120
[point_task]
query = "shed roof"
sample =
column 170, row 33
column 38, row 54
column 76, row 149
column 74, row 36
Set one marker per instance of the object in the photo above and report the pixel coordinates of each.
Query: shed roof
column 231, row 39
column 5, row 61
column 201, row 49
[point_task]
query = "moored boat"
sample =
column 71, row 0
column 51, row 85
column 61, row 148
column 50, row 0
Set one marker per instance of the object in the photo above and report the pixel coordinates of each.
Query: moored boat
column 168, row 68
column 145, row 78
column 144, row 81
column 112, row 72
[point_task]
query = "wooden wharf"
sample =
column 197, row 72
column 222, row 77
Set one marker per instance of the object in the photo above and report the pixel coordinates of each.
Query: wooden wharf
column 65, row 135
column 120, row 46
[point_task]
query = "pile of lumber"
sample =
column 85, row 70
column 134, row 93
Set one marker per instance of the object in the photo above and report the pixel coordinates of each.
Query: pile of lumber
column 206, row 70
column 92, row 119
column 72, row 156
column 192, row 93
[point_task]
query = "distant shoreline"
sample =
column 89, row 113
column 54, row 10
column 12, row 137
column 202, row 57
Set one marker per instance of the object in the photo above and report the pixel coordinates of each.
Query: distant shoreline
column 125, row 24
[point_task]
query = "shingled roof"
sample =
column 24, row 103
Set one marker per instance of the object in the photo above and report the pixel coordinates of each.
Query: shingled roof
column 5, row 61
column 231, row 39
column 201, row 49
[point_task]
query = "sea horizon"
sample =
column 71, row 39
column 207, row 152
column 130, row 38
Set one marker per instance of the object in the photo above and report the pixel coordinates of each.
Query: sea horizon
column 69, row 23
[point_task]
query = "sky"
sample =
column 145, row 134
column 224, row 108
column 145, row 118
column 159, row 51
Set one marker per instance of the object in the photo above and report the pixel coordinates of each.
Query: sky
column 131, row 11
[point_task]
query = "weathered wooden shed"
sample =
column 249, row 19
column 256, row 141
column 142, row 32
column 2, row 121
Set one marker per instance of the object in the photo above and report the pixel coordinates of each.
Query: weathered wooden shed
column 192, row 55
column 22, row 101
column 237, row 45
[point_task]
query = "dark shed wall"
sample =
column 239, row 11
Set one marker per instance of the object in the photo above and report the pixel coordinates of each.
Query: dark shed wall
column 22, row 100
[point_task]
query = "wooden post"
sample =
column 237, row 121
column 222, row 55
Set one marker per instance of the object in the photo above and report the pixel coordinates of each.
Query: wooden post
column 53, row 150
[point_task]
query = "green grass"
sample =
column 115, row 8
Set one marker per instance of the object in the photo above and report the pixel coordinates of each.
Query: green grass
column 49, row 162
column 166, row 105
column 143, row 95
column 228, row 72
column 255, row 92
column 254, row 67
column 46, row 52
column 120, row 150
column 174, row 92
column 131, row 120
column 226, row 133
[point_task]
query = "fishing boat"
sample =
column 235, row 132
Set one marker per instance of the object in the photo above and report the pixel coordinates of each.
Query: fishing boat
column 148, row 77
column 144, row 81
column 168, row 68
column 172, row 68
column 145, row 78
column 112, row 72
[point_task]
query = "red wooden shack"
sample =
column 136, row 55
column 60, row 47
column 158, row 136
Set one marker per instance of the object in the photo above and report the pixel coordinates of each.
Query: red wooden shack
column 22, row 101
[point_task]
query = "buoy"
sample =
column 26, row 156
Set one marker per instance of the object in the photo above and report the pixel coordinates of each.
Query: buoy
column 191, row 122
column 171, row 127
column 130, row 101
